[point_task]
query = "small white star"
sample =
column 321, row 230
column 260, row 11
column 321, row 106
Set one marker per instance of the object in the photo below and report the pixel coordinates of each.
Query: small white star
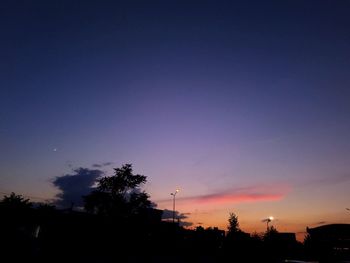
column 55, row 149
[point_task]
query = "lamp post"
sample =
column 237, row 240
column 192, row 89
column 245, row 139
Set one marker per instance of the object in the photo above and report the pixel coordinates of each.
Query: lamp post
column 268, row 220
column 174, row 194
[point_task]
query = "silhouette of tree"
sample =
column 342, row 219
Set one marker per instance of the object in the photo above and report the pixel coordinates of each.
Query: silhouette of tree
column 199, row 228
column 270, row 233
column 237, row 242
column 256, row 236
column 118, row 195
column 46, row 207
column 15, row 202
column 233, row 225
column 16, row 216
column 307, row 239
column 122, row 182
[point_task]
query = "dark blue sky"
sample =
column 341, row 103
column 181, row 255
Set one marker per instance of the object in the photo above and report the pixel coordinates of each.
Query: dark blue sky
column 203, row 95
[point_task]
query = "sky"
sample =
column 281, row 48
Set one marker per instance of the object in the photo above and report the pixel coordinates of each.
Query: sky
column 242, row 105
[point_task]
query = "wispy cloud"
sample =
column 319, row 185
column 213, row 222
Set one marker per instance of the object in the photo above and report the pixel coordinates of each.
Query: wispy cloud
column 330, row 179
column 240, row 195
column 223, row 198
column 168, row 214
column 100, row 165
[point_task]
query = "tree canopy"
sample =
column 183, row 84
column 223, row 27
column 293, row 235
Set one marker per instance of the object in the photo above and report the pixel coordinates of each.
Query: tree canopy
column 15, row 202
column 233, row 225
column 119, row 195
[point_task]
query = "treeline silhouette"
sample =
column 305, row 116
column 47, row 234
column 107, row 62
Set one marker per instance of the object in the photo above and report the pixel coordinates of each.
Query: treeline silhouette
column 120, row 224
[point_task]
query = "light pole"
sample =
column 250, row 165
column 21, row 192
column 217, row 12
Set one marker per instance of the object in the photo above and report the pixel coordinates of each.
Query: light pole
column 174, row 194
column 268, row 220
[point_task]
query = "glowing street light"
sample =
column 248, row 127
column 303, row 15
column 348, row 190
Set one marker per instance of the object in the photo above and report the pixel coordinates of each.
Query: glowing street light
column 268, row 220
column 174, row 194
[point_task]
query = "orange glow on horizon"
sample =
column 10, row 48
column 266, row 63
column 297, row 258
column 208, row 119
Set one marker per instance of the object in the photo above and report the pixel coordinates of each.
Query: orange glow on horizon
column 234, row 198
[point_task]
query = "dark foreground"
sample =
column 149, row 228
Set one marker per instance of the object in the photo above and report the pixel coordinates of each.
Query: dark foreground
column 42, row 235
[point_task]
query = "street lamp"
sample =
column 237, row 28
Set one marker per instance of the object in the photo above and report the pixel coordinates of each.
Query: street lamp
column 268, row 220
column 174, row 194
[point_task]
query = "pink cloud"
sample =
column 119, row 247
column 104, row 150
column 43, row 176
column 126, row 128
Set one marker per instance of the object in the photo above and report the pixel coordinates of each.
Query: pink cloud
column 235, row 198
column 249, row 194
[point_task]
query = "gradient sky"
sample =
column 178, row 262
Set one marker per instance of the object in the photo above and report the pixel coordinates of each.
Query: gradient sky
column 243, row 105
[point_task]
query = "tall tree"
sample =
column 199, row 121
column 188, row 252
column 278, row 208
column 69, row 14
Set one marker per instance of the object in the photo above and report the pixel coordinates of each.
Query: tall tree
column 119, row 195
column 270, row 233
column 233, row 225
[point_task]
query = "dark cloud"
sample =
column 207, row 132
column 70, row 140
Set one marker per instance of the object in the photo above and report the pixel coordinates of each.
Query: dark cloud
column 73, row 186
column 168, row 215
column 100, row 165
column 185, row 224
